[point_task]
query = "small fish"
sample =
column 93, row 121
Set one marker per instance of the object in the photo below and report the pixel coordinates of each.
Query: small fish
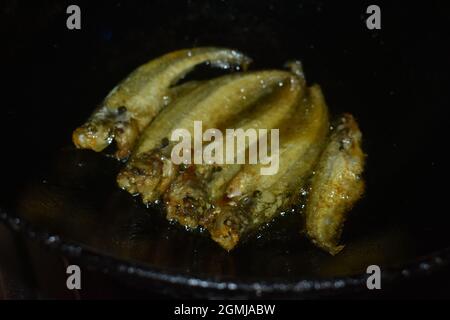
column 135, row 101
column 253, row 199
column 197, row 189
column 336, row 186
column 150, row 170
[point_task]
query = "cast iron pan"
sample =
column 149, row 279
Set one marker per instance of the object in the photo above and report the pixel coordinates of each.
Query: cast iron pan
column 394, row 80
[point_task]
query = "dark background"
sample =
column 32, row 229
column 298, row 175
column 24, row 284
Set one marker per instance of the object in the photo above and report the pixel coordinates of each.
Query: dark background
column 394, row 80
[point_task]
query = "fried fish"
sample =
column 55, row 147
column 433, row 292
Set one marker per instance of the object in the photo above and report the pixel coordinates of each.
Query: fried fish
column 150, row 170
column 135, row 101
column 336, row 185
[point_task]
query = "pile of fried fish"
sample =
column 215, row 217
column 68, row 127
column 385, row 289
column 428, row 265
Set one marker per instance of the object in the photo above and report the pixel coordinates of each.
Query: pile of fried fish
column 318, row 157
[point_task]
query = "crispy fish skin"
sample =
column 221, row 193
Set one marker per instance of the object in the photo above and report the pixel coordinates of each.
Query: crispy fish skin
column 135, row 101
column 254, row 199
column 296, row 138
column 194, row 191
column 182, row 90
column 336, row 186
column 150, row 169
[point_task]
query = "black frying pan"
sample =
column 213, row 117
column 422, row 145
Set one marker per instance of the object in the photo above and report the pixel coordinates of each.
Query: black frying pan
column 394, row 80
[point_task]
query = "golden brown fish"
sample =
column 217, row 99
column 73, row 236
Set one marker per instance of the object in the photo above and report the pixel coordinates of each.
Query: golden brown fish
column 234, row 199
column 336, row 185
column 199, row 186
column 135, row 101
column 254, row 199
column 150, row 169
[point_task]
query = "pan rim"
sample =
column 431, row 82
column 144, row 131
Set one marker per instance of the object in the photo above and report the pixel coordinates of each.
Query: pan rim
column 419, row 267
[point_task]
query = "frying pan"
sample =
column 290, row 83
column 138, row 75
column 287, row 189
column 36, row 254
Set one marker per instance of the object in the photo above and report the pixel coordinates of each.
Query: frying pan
column 394, row 80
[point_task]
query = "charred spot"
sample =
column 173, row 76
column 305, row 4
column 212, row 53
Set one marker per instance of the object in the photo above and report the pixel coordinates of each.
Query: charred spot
column 121, row 110
column 191, row 206
column 188, row 199
column 137, row 171
column 164, row 142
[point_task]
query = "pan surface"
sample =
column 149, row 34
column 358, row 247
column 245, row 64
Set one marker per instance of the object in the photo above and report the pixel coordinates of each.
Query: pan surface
column 394, row 80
